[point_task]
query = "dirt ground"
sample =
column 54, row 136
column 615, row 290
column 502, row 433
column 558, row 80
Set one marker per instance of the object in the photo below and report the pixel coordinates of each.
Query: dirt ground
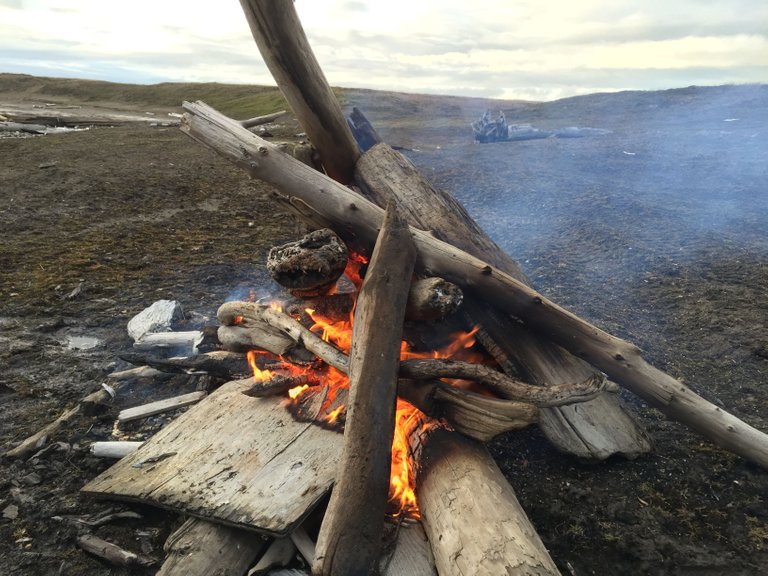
column 99, row 224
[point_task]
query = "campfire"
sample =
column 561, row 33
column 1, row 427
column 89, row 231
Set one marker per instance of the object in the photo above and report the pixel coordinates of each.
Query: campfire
column 409, row 339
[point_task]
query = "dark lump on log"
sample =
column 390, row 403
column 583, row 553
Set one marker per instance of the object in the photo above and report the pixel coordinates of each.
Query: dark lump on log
column 309, row 266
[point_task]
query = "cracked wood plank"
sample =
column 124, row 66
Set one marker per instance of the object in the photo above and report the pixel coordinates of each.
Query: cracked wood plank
column 231, row 459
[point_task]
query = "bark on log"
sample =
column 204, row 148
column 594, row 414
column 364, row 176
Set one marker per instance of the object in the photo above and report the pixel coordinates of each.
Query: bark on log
column 473, row 520
column 320, row 199
column 283, row 45
column 201, row 548
column 351, row 534
column 599, row 428
column 309, row 266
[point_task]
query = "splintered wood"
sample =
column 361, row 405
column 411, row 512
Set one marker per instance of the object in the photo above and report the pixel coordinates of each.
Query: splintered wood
column 232, row 459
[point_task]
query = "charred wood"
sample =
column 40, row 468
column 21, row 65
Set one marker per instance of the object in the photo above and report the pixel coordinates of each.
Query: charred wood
column 309, row 266
column 220, row 364
column 433, row 299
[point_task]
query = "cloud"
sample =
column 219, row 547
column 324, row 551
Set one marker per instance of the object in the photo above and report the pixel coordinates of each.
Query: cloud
column 527, row 49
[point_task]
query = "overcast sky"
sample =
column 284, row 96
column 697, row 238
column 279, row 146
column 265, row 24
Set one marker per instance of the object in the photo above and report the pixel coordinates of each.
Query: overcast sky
column 531, row 49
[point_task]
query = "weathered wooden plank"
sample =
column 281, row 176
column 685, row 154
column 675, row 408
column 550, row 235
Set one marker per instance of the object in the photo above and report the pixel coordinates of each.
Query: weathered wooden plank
column 231, row 459
column 165, row 405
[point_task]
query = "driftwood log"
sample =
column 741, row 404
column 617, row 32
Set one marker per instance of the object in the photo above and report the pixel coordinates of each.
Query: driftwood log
column 350, row 538
column 286, row 52
column 478, row 416
column 264, row 119
column 452, row 471
column 201, row 548
column 358, row 219
column 595, row 431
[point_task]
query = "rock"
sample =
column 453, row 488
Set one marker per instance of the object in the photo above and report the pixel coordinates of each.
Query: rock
column 11, row 512
column 156, row 318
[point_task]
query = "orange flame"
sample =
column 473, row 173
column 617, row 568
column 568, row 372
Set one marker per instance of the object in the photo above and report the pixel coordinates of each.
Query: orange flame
column 259, row 375
column 295, row 392
column 402, row 478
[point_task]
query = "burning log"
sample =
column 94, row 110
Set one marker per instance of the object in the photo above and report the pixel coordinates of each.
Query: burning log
column 350, row 215
column 250, row 313
column 505, row 386
column 310, row 266
column 286, row 51
column 459, row 485
column 249, row 334
column 351, row 534
column 479, row 417
column 200, row 548
column 279, row 385
column 433, row 299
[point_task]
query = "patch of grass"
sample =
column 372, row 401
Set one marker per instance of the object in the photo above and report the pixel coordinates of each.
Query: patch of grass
column 235, row 100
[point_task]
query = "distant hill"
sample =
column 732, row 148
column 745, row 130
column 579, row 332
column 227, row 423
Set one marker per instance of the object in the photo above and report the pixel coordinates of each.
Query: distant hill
column 431, row 116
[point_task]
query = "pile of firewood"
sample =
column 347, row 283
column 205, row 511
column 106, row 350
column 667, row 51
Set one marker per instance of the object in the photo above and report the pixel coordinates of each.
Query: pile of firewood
column 255, row 477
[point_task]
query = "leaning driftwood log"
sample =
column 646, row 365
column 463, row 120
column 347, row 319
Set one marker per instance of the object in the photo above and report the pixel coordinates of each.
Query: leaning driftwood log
column 595, row 431
column 598, row 429
column 356, row 219
column 286, row 51
column 350, row 538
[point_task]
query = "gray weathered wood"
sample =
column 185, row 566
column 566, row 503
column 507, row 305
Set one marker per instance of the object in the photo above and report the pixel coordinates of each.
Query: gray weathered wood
column 321, row 200
column 410, row 554
column 279, row 553
column 165, row 405
column 232, row 459
column 264, row 119
column 286, row 51
column 471, row 515
column 351, row 534
column 201, row 548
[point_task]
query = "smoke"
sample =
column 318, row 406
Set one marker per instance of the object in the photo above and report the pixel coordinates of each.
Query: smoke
column 677, row 173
